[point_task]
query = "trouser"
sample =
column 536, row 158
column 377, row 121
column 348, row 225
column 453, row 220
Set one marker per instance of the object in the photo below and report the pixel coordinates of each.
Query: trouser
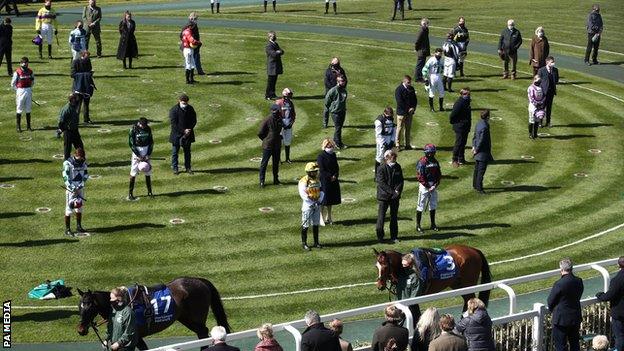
column 404, row 130
column 5, row 52
column 461, row 137
column 84, row 100
column 513, row 57
column 197, row 57
column 129, row 62
column 563, row 335
column 339, row 119
column 394, row 218
column 98, row 40
column 71, row 138
column 420, row 63
column 617, row 331
column 174, row 156
column 592, row 45
column 479, row 173
column 399, row 5
column 270, row 89
column 266, row 155
column 548, row 104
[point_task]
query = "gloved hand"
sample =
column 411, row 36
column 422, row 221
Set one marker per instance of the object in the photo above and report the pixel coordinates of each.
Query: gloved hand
column 39, row 32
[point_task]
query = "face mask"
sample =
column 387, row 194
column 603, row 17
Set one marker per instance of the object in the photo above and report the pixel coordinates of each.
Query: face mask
column 80, row 27
column 48, row 7
column 466, row 97
column 438, row 56
column 540, row 34
column 183, row 104
column 538, row 82
column 391, row 164
column 510, row 27
column 24, row 65
column 552, row 65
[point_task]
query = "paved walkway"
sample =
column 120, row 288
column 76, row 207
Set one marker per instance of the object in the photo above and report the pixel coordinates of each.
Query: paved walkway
column 69, row 15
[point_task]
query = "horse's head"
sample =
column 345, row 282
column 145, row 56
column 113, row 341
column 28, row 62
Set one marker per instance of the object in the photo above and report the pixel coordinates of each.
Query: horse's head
column 383, row 269
column 88, row 309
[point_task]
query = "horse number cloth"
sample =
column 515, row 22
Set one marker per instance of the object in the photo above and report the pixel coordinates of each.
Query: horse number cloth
column 162, row 306
column 443, row 264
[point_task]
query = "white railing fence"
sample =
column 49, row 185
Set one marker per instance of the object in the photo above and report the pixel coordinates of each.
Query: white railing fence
column 527, row 330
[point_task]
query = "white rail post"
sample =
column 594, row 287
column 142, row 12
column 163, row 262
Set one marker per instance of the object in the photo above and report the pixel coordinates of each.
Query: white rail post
column 512, row 296
column 296, row 334
column 408, row 319
column 605, row 275
column 538, row 327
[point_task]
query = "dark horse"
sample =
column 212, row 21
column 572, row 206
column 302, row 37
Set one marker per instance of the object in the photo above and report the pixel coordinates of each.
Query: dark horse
column 470, row 263
column 193, row 298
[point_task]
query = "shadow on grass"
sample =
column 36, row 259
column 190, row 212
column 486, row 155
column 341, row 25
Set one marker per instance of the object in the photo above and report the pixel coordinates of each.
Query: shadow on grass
column 119, row 228
column 349, row 159
column 35, row 243
column 573, row 82
column 124, row 122
column 347, row 181
column 52, row 75
column 46, row 316
column 10, row 179
column 475, row 226
column 110, row 164
column 512, row 162
column 360, row 126
column 4, row 161
column 356, row 12
column 362, row 221
column 568, row 137
column 118, row 76
column 228, row 82
column 362, row 146
column 448, row 148
column 487, row 90
column 6, row 215
column 310, row 97
column 485, row 76
column 441, row 236
column 483, row 108
column 523, row 188
column 352, row 243
column 228, row 73
column 191, row 192
column 227, row 170
column 612, row 63
column 584, row 125
column 158, row 67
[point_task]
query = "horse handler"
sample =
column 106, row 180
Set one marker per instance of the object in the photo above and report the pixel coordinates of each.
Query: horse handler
column 312, row 196
column 121, row 332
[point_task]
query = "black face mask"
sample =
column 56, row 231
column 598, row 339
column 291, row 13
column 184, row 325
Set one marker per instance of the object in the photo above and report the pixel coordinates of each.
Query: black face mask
column 48, row 7
column 80, row 27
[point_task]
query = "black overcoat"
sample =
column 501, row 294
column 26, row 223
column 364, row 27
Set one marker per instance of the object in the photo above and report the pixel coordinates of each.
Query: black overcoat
column 127, row 41
column 182, row 119
column 328, row 167
column 274, row 59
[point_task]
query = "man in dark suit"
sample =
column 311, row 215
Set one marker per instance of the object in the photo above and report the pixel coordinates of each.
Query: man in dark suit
column 406, row 101
column 6, row 43
column 269, row 133
column 422, row 48
column 183, row 119
column 218, row 335
column 481, row 150
column 615, row 295
column 508, row 45
column 460, row 118
column 549, row 75
column 594, row 33
column 316, row 337
column 564, row 302
column 389, row 188
column 274, row 65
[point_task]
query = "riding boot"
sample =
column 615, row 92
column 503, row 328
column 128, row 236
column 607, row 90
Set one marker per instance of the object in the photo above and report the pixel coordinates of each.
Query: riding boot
column 124, row 63
column 432, row 214
column 461, row 69
column 79, row 228
column 131, row 188
column 326, row 7
column 315, row 233
column 450, row 83
column 274, row 10
column 444, row 79
column 418, row 219
column 148, row 182
column 212, row 8
column 304, row 238
column 28, row 122
column 287, row 152
column 188, row 76
column 218, row 6
column 535, row 128
column 531, row 130
column 68, row 226
column 85, row 116
column 431, row 104
column 265, row 5
column 41, row 51
column 335, row 8
column 18, row 122
column 441, row 102
column 193, row 75
column 49, row 51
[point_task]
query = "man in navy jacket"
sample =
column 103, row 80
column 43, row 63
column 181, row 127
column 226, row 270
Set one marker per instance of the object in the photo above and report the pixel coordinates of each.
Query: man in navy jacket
column 564, row 302
column 615, row 295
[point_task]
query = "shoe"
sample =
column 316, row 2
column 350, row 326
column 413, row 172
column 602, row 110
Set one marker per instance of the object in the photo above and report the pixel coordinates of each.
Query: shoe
column 277, row 182
column 513, row 77
column 288, row 161
column 329, row 222
column 68, row 232
column 395, row 241
column 588, row 63
column 595, row 63
column 317, row 246
column 189, row 171
column 451, row 91
column 80, row 229
column 461, row 162
column 432, row 110
column 49, row 57
column 19, row 130
column 481, row 192
column 88, row 121
column 29, row 129
column 409, row 147
column 202, row 73
column 261, row 184
column 150, row 194
column 505, row 77
column 434, row 228
column 419, row 229
column 442, row 109
column 305, row 247
column 455, row 164
column 131, row 197
column 176, row 172
column 267, row 98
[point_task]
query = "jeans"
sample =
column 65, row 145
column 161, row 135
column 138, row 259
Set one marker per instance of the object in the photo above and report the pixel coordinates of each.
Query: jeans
column 197, row 58
column 174, row 156
column 270, row 89
column 461, row 138
column 513, row 57
column 479, row 173
column 592, row 46
column 71, row 137
column 420, row 63
column 266, row 155
column 394, row 218
column 562, row 335
column 339, row 119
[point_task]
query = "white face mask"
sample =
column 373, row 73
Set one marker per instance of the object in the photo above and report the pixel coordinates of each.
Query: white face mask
column 391, row 164
column 183, row 104
column 540, row 34
column 510, row 27
column 552, row 65
column 329, row 150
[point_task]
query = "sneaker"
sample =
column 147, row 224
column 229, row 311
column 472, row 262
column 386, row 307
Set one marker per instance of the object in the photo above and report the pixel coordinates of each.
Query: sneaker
column 305, row 247
column 277, row 182
column 419, row 229
column 68, row 232
column 595, row 63
column 435, row 228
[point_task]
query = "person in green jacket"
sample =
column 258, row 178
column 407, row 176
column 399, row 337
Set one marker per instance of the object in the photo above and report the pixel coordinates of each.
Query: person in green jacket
column 336, row 105
column 91, row 17
column 409, row 283
column 121, row 334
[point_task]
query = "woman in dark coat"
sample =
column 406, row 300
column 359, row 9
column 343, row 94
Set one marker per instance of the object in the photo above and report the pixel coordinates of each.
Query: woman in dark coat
column 328, row 174
column 127, row 41
column 476, row 326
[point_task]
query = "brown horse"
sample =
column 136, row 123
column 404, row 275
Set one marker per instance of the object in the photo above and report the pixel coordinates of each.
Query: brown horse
column 470, row 263
column 193, row 298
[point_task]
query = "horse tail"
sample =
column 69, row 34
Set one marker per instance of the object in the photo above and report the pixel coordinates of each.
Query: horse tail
column 217, row 306
column 486, row 277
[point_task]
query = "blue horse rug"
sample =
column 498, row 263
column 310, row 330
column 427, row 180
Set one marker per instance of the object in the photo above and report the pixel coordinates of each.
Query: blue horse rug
column 435, row 264
column 160, row 309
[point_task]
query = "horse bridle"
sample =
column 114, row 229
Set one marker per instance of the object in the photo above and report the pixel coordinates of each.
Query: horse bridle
column 388, row 277
column 95, row 325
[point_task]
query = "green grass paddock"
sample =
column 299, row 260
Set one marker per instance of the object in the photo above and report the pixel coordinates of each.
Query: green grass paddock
column 245, row 252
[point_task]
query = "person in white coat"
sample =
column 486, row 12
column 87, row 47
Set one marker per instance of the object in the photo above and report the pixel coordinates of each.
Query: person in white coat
column 312, row 197
column 432, row 73
column 385, row 131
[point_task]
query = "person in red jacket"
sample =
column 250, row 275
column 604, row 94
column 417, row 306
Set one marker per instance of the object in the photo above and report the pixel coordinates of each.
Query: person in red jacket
column 189, row 44
column 22, row 82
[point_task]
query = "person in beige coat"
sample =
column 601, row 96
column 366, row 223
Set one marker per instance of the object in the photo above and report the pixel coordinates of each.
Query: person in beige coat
column 539, row 50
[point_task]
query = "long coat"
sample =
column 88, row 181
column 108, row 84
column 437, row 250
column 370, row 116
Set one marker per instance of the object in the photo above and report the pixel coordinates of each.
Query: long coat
column 274, row 59
column 127, row 41
column 180, row 120
column 564, row 301
column 318, row 338
column 477, row 329
column 539, row 51
column 328, row 167
column 388, row 330
column 482, row 142
column 615, row 295
column 270, row 132
column 421, row 45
